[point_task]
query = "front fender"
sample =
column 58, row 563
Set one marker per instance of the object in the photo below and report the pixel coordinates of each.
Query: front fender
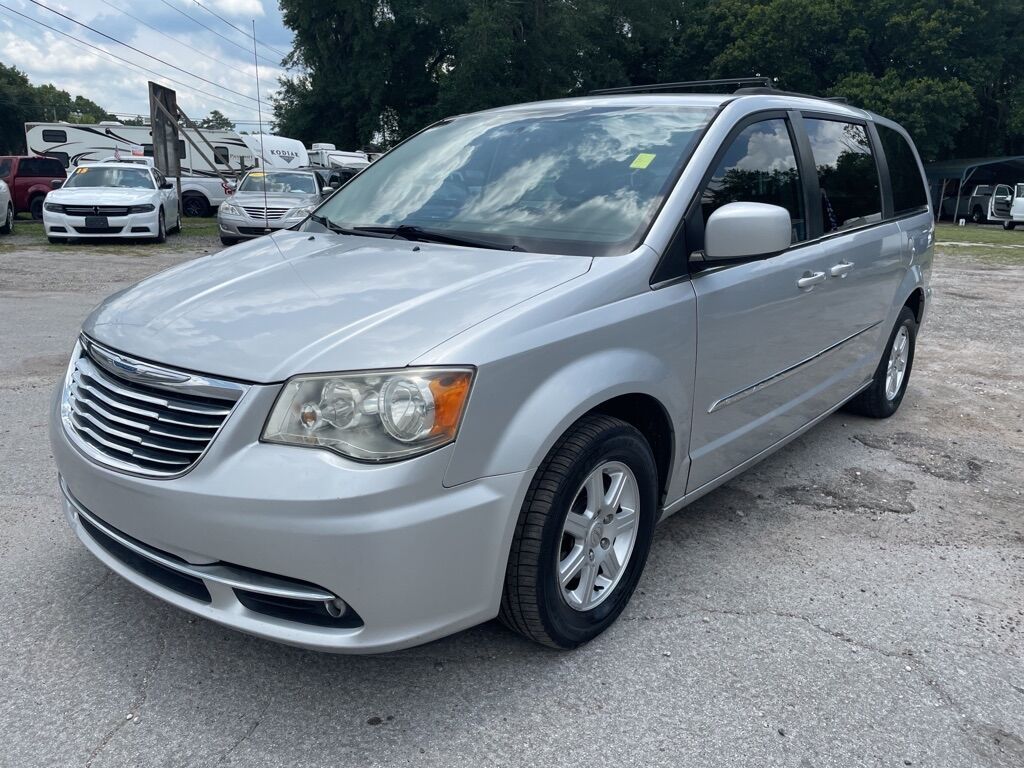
column 523, row 402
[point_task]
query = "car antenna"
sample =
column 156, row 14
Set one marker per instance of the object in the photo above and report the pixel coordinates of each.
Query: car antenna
column 259, row 115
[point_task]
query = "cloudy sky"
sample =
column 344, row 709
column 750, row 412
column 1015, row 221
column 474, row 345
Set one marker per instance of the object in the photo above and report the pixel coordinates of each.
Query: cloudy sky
column 183, row 33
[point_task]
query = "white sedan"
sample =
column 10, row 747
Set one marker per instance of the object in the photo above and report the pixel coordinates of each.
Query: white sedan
column 112, row 200
column 6, row 209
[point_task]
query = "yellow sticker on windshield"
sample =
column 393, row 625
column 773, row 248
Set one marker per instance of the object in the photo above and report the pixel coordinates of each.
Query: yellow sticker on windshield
column 642, row 160
column 83, row 169
column 257, row 173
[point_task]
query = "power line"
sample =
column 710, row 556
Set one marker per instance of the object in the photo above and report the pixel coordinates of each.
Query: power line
column 123, row 60
column 211, row 29
column 174, row 39
column 137, row 50
column 240, row 31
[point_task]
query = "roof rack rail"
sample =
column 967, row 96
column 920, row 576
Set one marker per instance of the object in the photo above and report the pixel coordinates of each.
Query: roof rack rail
column 762, row 91
column 742, row 82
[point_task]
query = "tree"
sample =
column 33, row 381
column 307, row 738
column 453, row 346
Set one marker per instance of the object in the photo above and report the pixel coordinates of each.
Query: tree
column 377, row 70
column 216, row 120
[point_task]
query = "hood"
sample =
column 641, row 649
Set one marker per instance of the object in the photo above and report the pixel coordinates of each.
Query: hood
column 255, row 200
column 100, row 196
column 296, row 303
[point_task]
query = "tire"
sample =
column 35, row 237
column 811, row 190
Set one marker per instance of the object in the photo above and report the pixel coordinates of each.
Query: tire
column 8, row 225
column 177, row 223
column 161, row 228
column 195, row 205
column 534, row 602
column 56, row 240
column 35, row 207
column 1008, row 225
column 875, row 401
column 228, row 240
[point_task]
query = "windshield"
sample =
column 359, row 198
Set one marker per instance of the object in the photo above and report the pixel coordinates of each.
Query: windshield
column 585, row 180
column 279, row 183
column 87, row 176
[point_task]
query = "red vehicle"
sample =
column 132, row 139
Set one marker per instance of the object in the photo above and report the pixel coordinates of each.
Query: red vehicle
column 30, row 178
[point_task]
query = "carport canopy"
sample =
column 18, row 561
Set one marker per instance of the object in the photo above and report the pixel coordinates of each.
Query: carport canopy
column 997, row 170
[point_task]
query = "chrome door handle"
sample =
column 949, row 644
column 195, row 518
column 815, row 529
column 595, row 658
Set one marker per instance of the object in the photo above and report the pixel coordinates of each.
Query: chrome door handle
column 809, row 280
column 840, row 269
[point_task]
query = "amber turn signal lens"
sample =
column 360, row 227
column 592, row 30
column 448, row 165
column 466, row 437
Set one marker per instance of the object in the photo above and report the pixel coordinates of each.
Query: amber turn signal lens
column 450, row 394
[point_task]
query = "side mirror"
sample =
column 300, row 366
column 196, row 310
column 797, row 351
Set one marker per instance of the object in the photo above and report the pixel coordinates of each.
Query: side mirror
column 56, row 183
column 327, row 190
column 167, row 185
column 745, row 230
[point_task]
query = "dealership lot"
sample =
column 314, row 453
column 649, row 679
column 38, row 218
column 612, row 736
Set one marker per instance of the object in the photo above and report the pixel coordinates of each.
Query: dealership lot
column 857, row 599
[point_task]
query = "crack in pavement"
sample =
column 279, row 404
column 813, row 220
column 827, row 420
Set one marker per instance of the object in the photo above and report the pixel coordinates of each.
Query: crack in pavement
column 249, row 731
column 135, row 706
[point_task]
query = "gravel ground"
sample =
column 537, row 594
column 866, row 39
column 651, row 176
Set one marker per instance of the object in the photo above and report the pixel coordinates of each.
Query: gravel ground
column 856, row 600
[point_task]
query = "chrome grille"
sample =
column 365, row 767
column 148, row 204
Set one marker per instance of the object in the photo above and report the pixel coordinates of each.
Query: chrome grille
column 271, row 213
column 96, row 210
column 140, row 418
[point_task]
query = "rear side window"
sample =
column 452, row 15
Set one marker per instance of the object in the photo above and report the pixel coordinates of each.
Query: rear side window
column 5, row 168
column 759, row 167
column 57, row 137
column 222, row 155
column 908, row 190
column 850, row 193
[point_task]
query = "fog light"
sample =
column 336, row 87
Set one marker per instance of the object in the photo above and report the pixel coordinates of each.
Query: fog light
column 335, row 608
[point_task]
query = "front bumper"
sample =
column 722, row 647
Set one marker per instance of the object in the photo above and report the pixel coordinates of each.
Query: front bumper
column 61, row 225
column 414, row 560
column 242, row 228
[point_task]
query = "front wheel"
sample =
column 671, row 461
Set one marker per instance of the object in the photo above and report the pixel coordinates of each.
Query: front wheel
column 161, row 228
column 583, row 534
column 35, row 208
column 195, row 205
column 8, row 225
column 883, row 396
column 228, row 240
column 1008, row 225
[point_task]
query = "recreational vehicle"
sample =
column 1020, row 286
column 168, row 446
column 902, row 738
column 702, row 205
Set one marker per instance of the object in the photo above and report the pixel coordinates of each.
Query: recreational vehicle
column 201, row 186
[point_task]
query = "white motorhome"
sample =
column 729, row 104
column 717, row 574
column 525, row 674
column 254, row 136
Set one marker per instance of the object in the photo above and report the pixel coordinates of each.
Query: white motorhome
column 201, row 185
column 279, row 151
column 324, row 155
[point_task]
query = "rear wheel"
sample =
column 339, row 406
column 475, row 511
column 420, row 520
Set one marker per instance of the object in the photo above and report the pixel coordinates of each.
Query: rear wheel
column 583, row 534
column 978, row 215
column 8, row 225
column 56, row 240
column 35, row 207
column 1009, row 225
column 883, row 396
column 228, row 240
column 195, row 205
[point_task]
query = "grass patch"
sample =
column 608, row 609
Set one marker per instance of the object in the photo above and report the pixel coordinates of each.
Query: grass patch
column 29, row 232
column 975, row 234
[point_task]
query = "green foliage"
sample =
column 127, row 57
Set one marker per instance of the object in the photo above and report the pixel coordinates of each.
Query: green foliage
column 21, row 102
column 374, row 72
column 216, row 120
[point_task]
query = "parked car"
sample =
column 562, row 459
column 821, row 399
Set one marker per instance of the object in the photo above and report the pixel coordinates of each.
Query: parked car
column 1007, row 205
column 112, row 200
column 30, row 179
column 973, row 204
column 475, row 378
column 6, row 209
column 266, row 201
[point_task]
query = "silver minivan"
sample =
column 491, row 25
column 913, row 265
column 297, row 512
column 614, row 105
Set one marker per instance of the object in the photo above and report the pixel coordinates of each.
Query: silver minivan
column 473, row 381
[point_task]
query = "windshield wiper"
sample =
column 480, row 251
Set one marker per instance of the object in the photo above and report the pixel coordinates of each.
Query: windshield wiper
column 327, row 223
column 411, row 232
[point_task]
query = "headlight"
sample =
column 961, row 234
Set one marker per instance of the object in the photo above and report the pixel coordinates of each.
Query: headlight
column 301, row 212
column 54, row 207
column 146, row 208
column 373, row 416
column 229, row 210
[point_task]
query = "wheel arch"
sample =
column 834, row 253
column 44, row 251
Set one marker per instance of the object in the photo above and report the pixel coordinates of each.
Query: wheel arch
column 915, row 301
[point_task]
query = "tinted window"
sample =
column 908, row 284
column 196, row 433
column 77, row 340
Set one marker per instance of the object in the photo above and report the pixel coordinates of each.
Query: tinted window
column 908, row 190
column 222, row 155
column 582, row 178
column 62, row 158
column 5, row 168
column 147, row 149
column 282, row 183
column 58, row 137
column 850, row 194
column 759, row 167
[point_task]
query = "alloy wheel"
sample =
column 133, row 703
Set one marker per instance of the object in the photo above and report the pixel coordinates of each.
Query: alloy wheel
column 897, row 368
column 598, row 536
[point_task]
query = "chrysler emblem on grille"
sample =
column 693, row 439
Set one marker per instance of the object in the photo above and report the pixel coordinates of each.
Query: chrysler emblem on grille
column 95, row 209
column 134, row 369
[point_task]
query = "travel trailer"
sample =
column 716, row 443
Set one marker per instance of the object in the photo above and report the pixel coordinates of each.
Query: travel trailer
column 325, row 155
column 201, row 186
column 279, row 151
